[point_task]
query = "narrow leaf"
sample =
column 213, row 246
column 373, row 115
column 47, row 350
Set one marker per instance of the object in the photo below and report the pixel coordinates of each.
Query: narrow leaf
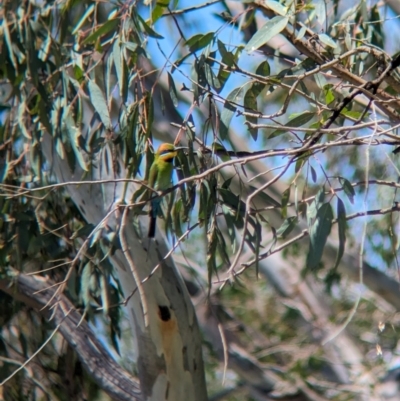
column 150, row 31
column 99, row 103
column 227, row 57
column 341, row 216
column 347, row 188
column 297, row 121
column 230, row 106
column 266, row 33
column 318, row 235
column 250, row 104
column 119, row 67
column 284, row 202
column 172, row 90
column 327, row 40
column 102, row 30
column 276, row 6
column 199, row 41
column 313, row 174
column 287, row 226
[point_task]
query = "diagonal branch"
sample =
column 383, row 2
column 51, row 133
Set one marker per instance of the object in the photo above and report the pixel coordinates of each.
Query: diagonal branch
column 35, row 292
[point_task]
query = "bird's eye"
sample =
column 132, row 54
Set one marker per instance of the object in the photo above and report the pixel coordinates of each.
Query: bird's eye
column 165, row 152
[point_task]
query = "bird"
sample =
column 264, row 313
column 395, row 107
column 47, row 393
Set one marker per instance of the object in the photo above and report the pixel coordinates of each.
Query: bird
column 160, row 177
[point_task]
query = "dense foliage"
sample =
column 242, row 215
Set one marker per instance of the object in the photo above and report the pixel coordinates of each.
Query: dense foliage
column 283, row 215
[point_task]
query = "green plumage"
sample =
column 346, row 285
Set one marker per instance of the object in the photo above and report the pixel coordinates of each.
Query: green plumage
column 160, row 176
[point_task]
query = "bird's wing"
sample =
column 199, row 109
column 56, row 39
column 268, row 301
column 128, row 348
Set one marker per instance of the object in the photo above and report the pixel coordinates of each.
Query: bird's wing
column 153, row 175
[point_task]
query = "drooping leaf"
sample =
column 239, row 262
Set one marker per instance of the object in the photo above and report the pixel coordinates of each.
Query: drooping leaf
column 250, row 104
column 233, row 99
column 99, row 103
column 172, row 90
column 320, row 11
column 148, row 29
column 341, row 216
column 287, row 226
column 284, row 201
column 264, row 70
column 347, row 188
column 199, row 41
column 158, row 10
column 101, row 31
column 327, row 40
column 313, row 174
column 313, row 208
column 119, row 64
column 276, row 6
column 269, row 200
column 227, row 57
column 211, row 78
column 83, row 19
column 319, row 233
column 297, row 121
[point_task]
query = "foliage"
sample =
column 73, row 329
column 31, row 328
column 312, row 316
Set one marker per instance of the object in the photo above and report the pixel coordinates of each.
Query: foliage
column 291, row 112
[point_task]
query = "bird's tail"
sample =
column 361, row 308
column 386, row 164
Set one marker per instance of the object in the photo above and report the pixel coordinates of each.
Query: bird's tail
column 152, row 227
column 153, row 217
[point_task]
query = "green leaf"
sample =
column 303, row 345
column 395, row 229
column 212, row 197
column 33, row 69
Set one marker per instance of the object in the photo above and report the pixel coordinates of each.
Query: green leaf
column 230, row 106
column 172, row 90
column 230, row 223
column 319, row 233
column 352, row 114
column 301, row 33
column 227, row 57
column 119, row 69
column 327, row 40
column 347, row 188
column 152, row 33
column 265, row 197
column 75, row 137
column 250, row 104
column 285, row 201
column 329, row 95
column 150, row 113
column 313, row 174
column 104, row 295
column 266, row 33
column 102, row 30
column 199, row 41
column 83, row 19
column 315, row 205
column 85, row 283
column 9, row 42
column 287, row 226
column 158, row 10
column 297, row 121
column 78, row 73
column 176, row 216
column 320, row 11
column 276, row 6
column 232, row 200
column 99, row 103
column 264, row 70
column 341, row 216
column 211, row 78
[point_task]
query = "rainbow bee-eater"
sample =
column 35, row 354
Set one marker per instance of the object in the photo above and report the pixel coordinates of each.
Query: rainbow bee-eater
column 160, row 177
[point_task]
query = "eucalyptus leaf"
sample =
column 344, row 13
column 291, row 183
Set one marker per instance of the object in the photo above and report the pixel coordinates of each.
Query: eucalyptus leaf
column 266, row 33
column 99, row 103
column 319, row 233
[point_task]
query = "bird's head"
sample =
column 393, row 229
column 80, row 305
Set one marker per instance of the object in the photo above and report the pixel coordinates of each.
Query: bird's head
column 166, row 148
column 167, row 152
